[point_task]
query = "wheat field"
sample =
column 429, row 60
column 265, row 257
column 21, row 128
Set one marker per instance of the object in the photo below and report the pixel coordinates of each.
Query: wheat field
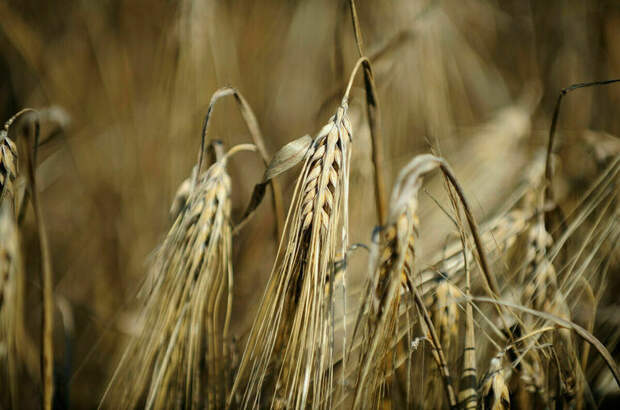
column 327, row 204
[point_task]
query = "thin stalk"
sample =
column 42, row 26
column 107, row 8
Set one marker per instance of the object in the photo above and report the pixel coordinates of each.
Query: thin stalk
column 257, row 137
column 30, row 129
column 437, row 350
column 468, row 397
column 567, row 324
column 554, row 121
column 374, row 121
column 473, row 226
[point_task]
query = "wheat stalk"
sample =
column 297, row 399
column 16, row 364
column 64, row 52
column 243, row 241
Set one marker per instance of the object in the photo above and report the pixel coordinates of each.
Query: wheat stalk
column 257, row 137
column 24, row 128
column 374, row 119
column 392, row 271
column 11, row 274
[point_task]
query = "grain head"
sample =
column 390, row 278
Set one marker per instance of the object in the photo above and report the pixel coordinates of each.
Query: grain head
column 181, row 356
column 289, row 354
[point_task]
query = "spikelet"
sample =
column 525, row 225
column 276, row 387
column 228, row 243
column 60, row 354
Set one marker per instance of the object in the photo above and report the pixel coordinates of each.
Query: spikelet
column 180, row 359
column 493, row 389
column 289, row 352
column 446, row 313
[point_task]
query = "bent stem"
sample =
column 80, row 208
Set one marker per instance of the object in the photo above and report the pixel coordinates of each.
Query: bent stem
column 438, row 354
column 549, row 196
column 374, row 120
column 257, row 137
column 473, row 227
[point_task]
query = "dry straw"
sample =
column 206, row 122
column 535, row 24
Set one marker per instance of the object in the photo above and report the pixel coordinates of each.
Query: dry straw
column 257, row 137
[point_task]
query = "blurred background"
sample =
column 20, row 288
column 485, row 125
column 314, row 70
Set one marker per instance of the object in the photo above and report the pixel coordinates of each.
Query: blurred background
column 473, row 80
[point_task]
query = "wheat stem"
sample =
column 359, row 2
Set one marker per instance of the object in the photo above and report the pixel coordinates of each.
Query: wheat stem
column 257, row 137
column 29, row 140
column 549, row 195
column 374, row 121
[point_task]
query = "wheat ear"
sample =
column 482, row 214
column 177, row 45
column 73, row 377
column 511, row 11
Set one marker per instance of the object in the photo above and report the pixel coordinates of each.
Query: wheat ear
column 181, row 355
column 295, row 313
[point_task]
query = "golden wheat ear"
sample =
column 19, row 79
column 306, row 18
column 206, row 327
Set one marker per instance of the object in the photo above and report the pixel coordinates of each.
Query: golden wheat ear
column 391, row 274
column 181, row 355
column 391, row 281
column 289, row 357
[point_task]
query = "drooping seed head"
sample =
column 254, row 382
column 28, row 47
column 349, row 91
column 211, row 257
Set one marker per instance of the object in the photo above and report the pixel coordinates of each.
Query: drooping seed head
column 181, row 354
column 288, row 351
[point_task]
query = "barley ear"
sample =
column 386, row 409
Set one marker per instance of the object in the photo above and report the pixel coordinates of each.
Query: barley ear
column 494, row 391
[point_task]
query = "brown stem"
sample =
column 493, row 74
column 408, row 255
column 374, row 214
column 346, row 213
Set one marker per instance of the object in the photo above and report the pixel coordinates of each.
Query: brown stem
column 468, row 397
column 437, row 350
column 374, row 121
column 29, row 119
column 257, row 137
column 554, row 121
column 473, row 226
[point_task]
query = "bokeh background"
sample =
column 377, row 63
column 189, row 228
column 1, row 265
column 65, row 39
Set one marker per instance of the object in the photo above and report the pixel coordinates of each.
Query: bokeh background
column 473, row 80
